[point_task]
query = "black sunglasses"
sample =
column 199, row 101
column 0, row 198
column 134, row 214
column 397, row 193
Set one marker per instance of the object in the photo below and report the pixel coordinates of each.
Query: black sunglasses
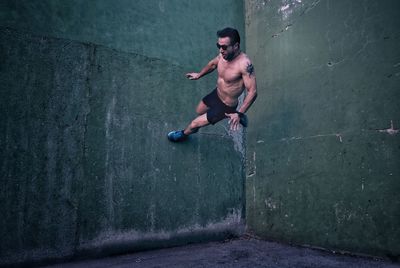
column 224, row 47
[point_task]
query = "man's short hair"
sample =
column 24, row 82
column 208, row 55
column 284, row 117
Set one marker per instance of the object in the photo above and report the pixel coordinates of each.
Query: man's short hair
column 233, row 34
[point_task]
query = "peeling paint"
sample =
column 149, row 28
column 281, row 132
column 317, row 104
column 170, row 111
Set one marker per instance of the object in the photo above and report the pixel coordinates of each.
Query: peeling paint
column 283, row 30
column 110, row 174
column 342, row 214
column 238, row 136
column 256, row 4
column 338, row 135
column 270, row 204
column 391, row 130
column 254, row 193
column 253, row 171
column 288, row 7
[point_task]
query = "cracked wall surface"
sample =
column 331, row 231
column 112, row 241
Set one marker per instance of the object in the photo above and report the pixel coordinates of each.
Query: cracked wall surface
column 85, row 166
column 323, row 164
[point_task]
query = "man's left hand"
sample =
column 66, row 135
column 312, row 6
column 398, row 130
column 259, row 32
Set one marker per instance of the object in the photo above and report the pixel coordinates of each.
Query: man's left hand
column 234, row 121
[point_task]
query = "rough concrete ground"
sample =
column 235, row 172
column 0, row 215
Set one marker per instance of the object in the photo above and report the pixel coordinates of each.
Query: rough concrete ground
column 233, row 253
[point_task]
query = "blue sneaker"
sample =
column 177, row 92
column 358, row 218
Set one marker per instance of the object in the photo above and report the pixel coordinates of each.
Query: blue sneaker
column 177, row 136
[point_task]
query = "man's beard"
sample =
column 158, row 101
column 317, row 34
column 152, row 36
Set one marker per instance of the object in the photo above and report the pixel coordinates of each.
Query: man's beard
column 229, row 56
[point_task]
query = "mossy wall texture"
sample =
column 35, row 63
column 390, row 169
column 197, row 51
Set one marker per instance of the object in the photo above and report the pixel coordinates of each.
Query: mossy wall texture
column 324, row 159
column 89, row 90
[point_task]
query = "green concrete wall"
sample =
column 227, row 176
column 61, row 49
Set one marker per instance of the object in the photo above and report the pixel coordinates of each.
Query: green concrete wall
column 324, row 160
column 89, row 90
column 181, row 32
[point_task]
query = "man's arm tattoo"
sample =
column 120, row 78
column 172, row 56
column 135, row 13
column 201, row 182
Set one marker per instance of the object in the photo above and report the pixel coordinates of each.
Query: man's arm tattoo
column 250, row 69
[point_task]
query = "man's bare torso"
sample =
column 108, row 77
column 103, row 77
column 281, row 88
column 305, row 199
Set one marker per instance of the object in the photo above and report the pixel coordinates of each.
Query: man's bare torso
column 230, row 83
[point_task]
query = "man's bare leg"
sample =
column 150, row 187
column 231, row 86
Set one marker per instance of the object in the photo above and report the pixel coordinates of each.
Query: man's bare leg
column 196, row 124
column 201, row 108
column 193, row 127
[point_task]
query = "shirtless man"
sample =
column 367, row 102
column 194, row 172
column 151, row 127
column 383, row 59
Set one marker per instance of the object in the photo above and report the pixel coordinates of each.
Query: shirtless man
column 235, row 73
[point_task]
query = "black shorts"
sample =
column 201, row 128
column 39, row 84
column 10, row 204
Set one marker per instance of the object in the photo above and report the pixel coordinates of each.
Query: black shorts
column 217, row 108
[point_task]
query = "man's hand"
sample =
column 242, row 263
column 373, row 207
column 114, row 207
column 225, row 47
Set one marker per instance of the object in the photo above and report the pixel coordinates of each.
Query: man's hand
column 234, row 121
column 193, row 76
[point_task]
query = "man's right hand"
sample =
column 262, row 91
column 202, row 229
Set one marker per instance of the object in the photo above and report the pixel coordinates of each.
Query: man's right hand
column 193, row 76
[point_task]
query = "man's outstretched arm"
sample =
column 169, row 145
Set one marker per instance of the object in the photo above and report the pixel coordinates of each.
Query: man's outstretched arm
column 211, row 66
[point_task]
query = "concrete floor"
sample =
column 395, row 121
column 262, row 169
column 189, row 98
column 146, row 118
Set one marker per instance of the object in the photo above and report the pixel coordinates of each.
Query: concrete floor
column 233, row 253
